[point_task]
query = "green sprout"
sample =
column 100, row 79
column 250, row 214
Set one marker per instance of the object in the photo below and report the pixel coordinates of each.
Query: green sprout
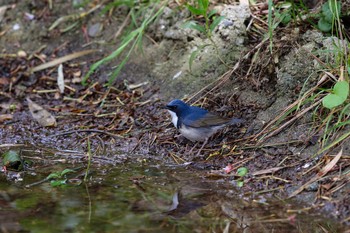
column 241, row 172
column 201, row 8
column 58, row 178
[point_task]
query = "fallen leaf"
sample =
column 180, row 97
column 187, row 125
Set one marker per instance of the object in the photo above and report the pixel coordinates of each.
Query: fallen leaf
column 43, row 117
column 3, row 10
column 62, row 60
column 330, row 165
column 11, row 159
column 5, row 117
column 175, row 202
column 320, row 174
column 60, row 78
column 228, row 168
column 266, row 171
column 4, row 81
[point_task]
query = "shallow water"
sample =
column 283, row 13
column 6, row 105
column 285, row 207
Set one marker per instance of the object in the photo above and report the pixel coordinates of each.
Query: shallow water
column 141, row 197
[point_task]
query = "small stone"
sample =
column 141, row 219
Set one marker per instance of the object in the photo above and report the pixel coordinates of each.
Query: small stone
column 16, row 27
column 95, row 30
column 21, row 53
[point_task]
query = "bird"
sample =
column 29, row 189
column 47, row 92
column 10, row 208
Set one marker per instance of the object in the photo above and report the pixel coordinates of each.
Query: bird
column 195, row 123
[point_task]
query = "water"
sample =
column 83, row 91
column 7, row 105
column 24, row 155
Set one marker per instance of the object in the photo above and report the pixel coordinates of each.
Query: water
column 141, row 197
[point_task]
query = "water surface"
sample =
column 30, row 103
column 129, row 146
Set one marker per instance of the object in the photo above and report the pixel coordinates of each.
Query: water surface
column 140, row 197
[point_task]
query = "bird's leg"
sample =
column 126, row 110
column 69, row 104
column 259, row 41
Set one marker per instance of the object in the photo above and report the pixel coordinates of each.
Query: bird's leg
column 195, row 145
column 204, row 143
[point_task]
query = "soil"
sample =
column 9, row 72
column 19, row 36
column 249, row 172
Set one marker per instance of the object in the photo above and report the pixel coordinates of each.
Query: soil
column 126, row 121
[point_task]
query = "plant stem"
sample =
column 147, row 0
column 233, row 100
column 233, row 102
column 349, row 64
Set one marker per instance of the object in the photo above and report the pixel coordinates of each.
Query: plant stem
column 89, row 160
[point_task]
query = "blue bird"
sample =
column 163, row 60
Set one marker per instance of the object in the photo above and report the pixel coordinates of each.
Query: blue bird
column 197, row 124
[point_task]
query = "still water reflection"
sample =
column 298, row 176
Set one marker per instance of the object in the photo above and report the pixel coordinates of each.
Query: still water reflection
column 144, row 198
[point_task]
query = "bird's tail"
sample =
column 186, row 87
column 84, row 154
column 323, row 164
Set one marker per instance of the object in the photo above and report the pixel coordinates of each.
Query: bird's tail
column 236, row 121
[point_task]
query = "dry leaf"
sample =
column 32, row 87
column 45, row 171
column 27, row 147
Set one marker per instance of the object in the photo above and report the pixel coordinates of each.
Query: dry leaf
column 320, row 174
column 5, row 117
column 4, row 81
column 60, row 78
column 3, row 10
column 266, row 171
column 62, row 60
column 43, row 117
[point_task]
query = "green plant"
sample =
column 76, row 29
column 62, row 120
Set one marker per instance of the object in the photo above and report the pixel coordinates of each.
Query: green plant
column 116, row 3
column 241, row 172
column 337, row 98
column 288, row 11
column 272, row 26
column 89, row 160
column 201, row 8
column 130, row 42
column 58, row 178
column 283, row 13
column 330, row 14
column 338, row 95
column 337, row 118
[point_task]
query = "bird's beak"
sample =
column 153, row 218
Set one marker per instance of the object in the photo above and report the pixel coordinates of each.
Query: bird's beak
column 166, row 107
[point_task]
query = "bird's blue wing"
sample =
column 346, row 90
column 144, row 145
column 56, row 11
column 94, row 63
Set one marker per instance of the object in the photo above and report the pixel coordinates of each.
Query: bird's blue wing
column 198, row 120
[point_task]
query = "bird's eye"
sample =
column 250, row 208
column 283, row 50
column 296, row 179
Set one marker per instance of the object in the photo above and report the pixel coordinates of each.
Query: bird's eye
column 174, row 107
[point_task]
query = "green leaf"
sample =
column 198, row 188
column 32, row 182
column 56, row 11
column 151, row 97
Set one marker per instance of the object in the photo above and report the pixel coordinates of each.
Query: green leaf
column 331, row 10
column 127, row 40
column 203, row 4
column 193, row 25
column 54, row 176
column 58, row 175
column 338, row 96
column 65, row 171
column 117, row 70
column 55, row 183
column 10, row 156
column 195, row 11
column 325, row 9
column 284, row 18
column 115, row 4
column 324, row 25
column 345, row 110
column 211, row 13
column 239, row 183
column 242, row 171
column 12, row 160
column 216, row 22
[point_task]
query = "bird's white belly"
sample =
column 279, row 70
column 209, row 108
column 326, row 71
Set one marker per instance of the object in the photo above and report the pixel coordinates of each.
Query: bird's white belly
column 197, row 134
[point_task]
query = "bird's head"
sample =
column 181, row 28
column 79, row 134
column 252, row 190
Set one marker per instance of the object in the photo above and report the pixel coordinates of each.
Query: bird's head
column 177, row 106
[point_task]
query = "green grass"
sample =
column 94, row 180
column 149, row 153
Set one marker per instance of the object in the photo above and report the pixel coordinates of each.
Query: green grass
column 131, row 41
column 333, row 112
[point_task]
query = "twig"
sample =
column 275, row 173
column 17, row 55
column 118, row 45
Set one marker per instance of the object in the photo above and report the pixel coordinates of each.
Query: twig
column 86, row 130
column 291, row 120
